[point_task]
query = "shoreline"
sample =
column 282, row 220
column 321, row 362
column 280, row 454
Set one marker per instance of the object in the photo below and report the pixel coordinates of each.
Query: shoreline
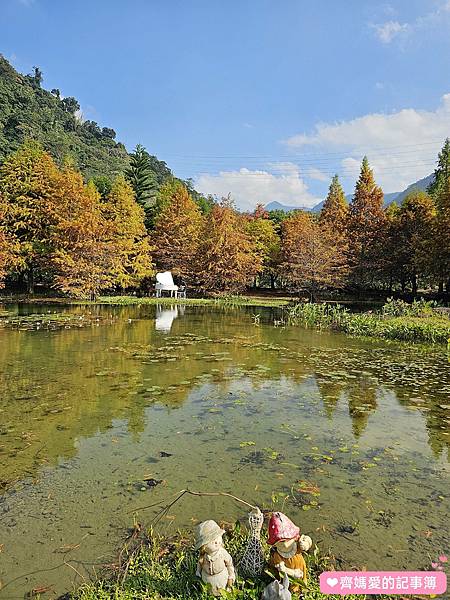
column 398, row 321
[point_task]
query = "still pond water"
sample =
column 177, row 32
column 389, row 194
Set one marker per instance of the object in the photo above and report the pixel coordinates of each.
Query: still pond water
column 349, row 437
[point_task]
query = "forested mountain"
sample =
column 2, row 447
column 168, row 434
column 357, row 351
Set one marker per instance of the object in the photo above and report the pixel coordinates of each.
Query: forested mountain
column 422, row 185
column 29, row 111
column 278, row 206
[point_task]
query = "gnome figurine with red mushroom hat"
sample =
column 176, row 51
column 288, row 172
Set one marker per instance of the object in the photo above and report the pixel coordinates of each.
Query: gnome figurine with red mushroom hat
column 287, row 546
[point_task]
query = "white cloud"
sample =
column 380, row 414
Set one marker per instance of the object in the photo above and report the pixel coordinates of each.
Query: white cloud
column 402, row 146
column 248, row 188
column 386, row 32
column 351, row 167
column 317, row 174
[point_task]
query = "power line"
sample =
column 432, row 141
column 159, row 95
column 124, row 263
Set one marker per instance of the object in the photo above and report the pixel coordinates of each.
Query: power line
column 371, row 150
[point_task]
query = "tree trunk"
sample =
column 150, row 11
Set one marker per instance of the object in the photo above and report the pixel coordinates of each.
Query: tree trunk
column 414, row 284
column 30, row 280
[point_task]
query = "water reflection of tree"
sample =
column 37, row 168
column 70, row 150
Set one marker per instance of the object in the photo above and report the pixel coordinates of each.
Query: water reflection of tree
column 435, row 410
column 359, row 394
column 362, row 401
column 58, row 386
column 331, row 392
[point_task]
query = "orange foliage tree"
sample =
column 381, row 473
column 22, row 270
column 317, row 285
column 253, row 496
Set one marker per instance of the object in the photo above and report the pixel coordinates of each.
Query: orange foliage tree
column 177, row 233
column 266, row 241
column 311, row 256
column 228, row 259
column 366, row 229
column 335, row 210
column 416, row 218
column 8, row 250
column 125, row 227
column 83, row 254
column 30, row 187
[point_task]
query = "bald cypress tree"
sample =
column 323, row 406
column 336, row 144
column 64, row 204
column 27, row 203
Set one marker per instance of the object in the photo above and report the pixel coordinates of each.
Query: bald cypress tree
column 334, row 212
column 176, row 234
column 366, row 230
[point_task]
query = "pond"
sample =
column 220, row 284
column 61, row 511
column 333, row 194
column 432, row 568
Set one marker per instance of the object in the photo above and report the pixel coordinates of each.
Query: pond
column 104, row 410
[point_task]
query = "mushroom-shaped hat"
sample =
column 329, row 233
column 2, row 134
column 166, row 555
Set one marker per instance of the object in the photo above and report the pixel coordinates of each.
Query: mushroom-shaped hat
column 281, row 528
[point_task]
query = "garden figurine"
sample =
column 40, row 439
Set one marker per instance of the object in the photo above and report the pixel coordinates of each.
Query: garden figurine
column 287, row 546
column 215, row 565
column 277, row 590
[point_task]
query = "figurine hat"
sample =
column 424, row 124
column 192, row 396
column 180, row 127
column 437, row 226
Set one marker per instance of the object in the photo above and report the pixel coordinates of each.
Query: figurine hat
column 281, row 528
column 207, row 532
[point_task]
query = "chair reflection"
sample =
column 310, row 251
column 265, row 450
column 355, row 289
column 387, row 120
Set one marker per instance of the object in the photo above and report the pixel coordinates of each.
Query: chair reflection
column 165, row 317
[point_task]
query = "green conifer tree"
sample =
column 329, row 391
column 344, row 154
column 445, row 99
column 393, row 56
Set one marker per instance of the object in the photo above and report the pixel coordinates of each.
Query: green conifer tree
column 440, row 192
column 142, row 180
column 441, row 181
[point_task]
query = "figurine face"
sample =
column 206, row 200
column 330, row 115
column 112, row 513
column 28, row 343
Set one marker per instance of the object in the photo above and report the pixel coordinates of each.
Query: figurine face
column 285, row 545
column 213, row 546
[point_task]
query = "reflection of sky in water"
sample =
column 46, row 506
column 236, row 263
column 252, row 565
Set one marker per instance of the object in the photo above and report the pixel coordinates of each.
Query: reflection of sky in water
column 85, row 415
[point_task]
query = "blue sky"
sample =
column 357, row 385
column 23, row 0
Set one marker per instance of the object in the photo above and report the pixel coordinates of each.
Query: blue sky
column 265, row 99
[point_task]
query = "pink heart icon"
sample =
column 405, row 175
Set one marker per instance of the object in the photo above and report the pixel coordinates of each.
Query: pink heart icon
column 332, row 581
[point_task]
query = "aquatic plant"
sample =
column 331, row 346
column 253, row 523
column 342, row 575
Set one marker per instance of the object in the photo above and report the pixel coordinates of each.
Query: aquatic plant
column 400, row 308
column 414, row 322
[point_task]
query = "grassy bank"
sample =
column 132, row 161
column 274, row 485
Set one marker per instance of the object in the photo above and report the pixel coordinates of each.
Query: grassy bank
column 416, row 322
column 156, row 568
column 227, row 300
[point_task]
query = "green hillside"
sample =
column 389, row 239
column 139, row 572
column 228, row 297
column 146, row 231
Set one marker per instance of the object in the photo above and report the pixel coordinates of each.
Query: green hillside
column 29, row 111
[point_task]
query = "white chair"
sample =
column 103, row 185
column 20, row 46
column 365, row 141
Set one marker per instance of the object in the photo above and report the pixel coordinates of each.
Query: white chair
column 164, row 283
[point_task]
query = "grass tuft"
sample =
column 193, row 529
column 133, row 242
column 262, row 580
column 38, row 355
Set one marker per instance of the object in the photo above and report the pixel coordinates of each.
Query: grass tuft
column 397, row 320
column 152, row 567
